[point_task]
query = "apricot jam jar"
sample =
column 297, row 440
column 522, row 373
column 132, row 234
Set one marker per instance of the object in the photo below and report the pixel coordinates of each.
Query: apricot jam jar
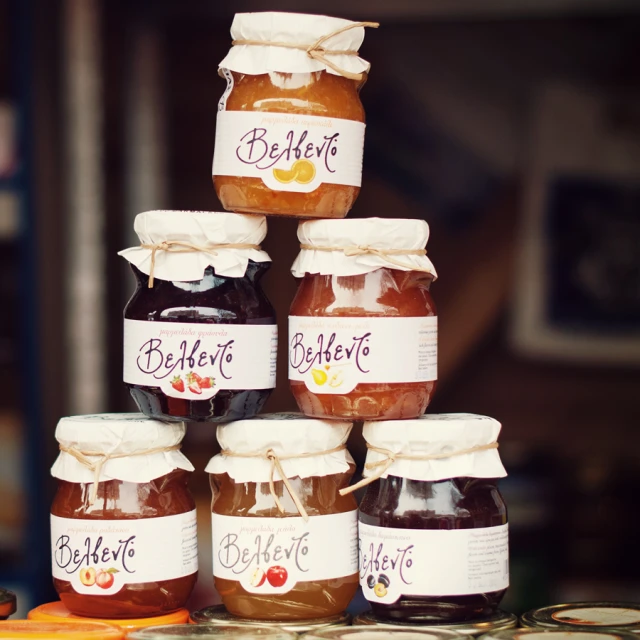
column 200, row 336
column 363, row 327
column 284, row 540
column 123, row 522
column 433, row 525
column 290, row 125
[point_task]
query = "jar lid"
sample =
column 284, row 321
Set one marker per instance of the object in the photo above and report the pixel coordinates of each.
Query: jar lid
column 305, row 447
column 558, row 634
column 493, row 622
column 224, row 241
column 585, row 616
column 263, row 43
column 380, row 633
column 133, row 448
column 7, row 603
column 48, row 630
column 56, row 612
column 434, row 447
column 357, row 246
column 217, row 614
column 177, row 632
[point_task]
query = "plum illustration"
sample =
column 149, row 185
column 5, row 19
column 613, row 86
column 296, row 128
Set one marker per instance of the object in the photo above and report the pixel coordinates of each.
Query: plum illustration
column 371, row 581
column 384, row 580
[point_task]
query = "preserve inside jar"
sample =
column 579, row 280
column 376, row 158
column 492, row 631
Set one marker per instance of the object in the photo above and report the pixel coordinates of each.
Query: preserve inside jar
column 313, row 93
column 63, row 630
column 213, row 300
column 284, row 539
column 456, row 503
column 385, row 292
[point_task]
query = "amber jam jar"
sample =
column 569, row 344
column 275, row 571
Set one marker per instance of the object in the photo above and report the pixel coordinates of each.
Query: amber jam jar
column 200, row 336
column 433, row 525
column 290, row 125
column 284, row 539
column 123, row 522
column 363, row 325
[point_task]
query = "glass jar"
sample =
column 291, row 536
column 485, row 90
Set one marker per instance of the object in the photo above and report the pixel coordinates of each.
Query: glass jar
column 363, row 324
column 284, row 546
column 433, row 525
column 123, row 522
column 369, row 633
column 7, row 603
column 200, row 336
column 290, row 125
column 60, row 630
column 559, row 634
column 583, row 616
column 237, row 632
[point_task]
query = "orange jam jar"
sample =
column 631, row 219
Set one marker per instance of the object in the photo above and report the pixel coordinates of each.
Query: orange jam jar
column 290, row 125
column 123, row 522
column 363, row 325
column 284, row 540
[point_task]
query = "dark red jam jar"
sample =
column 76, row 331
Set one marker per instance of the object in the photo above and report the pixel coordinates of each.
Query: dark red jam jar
column 200, row 336
column 123, row 521
column 433, row 525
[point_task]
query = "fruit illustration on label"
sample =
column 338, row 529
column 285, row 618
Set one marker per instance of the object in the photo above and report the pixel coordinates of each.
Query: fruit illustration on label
column 371, row 581
column 258, row 578
column 193, row 382
column 302, row 171
column 336, row 379
column 178, row 384
column 319, row 376
column 105, row 578
column 88, row 576
column 277, row 576
column 379, row 587
column 207, row 383
column 284, row 176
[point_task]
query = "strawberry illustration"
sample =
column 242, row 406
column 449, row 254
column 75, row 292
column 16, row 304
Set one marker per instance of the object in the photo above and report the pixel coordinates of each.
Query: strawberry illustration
column 178, row 384
column 194, row 376
column 207, row 383
column 193, row 384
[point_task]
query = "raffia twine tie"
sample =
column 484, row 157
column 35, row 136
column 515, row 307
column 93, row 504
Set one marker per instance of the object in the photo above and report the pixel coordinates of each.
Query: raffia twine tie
column 382, row 466
column 315, row 50
column 84, row 458
column 385, row 254
column 276, row 465
column 178, row 246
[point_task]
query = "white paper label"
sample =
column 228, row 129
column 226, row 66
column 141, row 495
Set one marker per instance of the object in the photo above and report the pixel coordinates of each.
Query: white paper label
column 196, row 360
column 437, row 562
column 334, row 355
column 99, row 557
column 598, row 616
column 288, row 152
column 271, row 555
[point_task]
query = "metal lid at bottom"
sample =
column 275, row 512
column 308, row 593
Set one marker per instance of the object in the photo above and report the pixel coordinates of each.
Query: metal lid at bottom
column 367, row 632
column 586, row 616
column 494, row 622
column 211, row 631
column 217, row 614
column 539, row 633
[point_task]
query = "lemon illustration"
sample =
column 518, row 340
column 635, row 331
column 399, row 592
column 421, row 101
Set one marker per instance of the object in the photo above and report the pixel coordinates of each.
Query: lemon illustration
column 319, row 376
column 304, row 170
column 285, row 175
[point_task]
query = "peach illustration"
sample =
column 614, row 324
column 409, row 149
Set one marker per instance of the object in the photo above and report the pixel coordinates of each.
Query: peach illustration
column 104, row 579
column 88, row 576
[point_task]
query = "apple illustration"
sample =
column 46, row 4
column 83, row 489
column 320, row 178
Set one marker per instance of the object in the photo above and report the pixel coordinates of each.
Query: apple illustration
column 258, row 577
column 104, row 579
column 88, row 576
column 277, row 576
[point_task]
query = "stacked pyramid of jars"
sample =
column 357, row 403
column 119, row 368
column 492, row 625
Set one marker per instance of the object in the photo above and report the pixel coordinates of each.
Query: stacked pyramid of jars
column 429, row 542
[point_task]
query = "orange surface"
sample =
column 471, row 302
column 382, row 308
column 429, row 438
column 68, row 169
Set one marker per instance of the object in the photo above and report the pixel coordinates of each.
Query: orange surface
column 77, row 631
column 323, row 94
column 56, row 612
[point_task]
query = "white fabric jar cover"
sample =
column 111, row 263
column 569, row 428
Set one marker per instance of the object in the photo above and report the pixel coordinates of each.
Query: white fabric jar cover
column 354, row 243
column 129, row 435
column 202, row 229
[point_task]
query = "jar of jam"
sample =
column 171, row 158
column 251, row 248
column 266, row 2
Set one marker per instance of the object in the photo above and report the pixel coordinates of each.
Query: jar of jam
column 433, row 525
column 123, row 522
column 583, row 616
column 200, row 336
column 290, row 125
column 284, row 539
column 363, row 326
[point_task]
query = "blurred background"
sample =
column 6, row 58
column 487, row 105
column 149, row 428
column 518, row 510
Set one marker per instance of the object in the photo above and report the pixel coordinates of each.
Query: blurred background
column 511, row 126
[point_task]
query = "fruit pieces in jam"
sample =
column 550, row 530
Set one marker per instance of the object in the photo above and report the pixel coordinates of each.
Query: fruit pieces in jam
column 307, row 600
column 383, row 292
column 316, row 93
column 118, row 500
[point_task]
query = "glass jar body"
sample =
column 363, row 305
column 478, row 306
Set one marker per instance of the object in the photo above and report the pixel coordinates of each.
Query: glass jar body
column 317, row 93
column 212, row 300
column 457, row 503
column 118, row 500
column 307, row 600
column 385, row 293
